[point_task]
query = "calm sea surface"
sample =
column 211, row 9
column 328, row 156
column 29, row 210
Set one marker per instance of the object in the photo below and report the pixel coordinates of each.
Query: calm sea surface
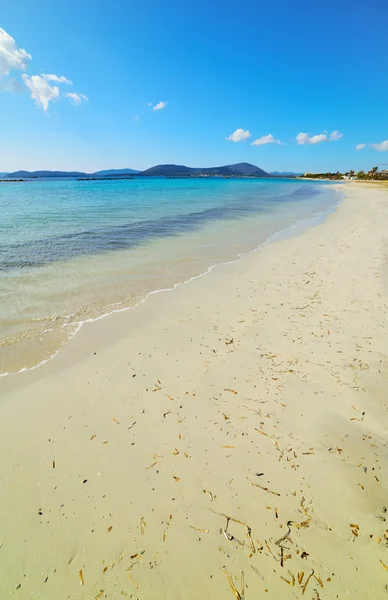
column 72, row 251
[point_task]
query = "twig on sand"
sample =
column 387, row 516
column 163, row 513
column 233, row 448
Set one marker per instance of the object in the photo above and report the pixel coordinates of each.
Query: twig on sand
column 263, row 488
column 237, row 594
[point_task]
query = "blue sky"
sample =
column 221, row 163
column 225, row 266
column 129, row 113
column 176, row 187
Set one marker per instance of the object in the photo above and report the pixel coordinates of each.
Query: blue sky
column 272, row 70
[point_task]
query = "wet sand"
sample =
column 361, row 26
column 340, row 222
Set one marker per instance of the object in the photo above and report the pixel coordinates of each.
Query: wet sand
column 232, row 429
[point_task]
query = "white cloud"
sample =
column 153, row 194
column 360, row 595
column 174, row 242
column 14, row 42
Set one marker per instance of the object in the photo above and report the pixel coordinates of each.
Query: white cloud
column 160, row 105
column 57, row 79
column 41, row 91
column 239, row 135
column 12, row 58
column 335, row 135
column 382, row 147
column 303, row 138
column 76, row 99
column 266, row 139
column 360, row 146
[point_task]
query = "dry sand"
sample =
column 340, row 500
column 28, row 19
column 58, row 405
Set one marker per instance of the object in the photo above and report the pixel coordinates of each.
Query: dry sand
column 257, row 392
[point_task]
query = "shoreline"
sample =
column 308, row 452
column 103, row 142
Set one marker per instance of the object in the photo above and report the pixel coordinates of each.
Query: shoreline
column 257, row 393
column 119, row 307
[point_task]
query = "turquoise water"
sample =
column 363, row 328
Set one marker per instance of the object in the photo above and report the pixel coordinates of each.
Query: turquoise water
column 72, row 250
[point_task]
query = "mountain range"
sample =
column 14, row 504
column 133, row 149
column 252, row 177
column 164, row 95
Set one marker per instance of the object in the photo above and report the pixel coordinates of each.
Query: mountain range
column 237, row 170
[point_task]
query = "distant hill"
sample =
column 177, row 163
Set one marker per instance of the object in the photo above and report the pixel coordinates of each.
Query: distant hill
column 240, row 169
column 237, row 170
column 115, row 172
column 2, row 174
column 30, row 174
column 168, row 171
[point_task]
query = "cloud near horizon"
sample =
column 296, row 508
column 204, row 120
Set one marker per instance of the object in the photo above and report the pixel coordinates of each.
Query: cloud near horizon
column 239, row 135
column 13, row 58
column 160, row 105
column 360, row 146
column 265, row 139
column 305, row 138
column 381, row 147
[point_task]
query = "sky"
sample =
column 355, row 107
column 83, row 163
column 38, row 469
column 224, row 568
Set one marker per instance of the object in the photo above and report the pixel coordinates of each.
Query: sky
column 288, row 86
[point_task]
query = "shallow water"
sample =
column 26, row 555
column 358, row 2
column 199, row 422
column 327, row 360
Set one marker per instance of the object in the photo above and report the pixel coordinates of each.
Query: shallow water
column 72, row 251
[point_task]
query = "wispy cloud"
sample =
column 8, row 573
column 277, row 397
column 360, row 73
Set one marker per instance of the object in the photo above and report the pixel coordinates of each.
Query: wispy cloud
column 304, row 138
column 266, row 139
column 12, row 58
column 76, row 99
column 160, row 105
column 57, row 79
column 335, row 135
column 381, row 147
column 239, row 135
column 360, row 146
column 41, row 91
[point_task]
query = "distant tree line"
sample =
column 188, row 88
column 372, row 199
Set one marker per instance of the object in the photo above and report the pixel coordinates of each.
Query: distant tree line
column 373, row 174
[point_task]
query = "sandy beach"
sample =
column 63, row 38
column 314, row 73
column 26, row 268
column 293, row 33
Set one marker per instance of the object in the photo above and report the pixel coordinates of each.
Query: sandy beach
column 227, row 439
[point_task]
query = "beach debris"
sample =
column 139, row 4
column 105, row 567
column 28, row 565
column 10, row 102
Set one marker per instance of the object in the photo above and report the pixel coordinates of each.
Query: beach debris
column 209, row 493
column 300, row 577
column 53, row 464
column 228, row 446
column 262, row 487
column 81, row 577
column 304, row 588
column 231, row 538
column 285, row 536
column 133, row 424
column 176, row 478
column 229, row 390
column 116, row 421
column 291, row 581
column 199, row 529
column 384, row 565
column 153, row 464
column 228, row 342
column 99, row 595
column 262, row 432
column 93, row 436
column 237, row 594
column 175, row 451
column 143, row 525
column 110, row 528
column 131, row 579
column 355, row 529
column 257, row 572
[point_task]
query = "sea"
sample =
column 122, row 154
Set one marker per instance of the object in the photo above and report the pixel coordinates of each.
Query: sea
column 75, row 251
